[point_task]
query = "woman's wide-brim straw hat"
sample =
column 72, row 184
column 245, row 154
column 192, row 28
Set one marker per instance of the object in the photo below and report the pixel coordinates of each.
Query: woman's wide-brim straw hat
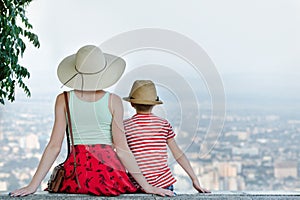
column 90, row 69
column 143, row 92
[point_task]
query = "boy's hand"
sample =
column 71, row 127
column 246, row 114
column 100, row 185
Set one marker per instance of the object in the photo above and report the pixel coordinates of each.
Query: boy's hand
column 159, row 191
column 197, row 186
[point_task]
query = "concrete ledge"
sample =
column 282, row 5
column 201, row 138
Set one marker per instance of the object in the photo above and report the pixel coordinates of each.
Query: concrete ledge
column 220, row 195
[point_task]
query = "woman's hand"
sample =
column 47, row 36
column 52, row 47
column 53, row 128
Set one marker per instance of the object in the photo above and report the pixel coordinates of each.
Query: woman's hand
column 23, row 191
column 197, row 186
column 159, row 191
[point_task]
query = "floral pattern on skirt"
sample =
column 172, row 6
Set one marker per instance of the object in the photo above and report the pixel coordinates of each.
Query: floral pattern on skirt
column 99, row 170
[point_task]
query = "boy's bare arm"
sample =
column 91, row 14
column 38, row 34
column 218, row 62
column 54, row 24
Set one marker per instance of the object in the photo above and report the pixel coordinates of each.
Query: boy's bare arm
column 185, row 164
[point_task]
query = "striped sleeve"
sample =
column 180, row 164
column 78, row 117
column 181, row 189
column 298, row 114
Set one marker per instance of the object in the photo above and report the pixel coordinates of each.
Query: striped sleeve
column 171, row 133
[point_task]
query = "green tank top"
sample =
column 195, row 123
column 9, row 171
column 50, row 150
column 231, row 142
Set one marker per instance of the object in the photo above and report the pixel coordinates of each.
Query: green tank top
column 91, row 121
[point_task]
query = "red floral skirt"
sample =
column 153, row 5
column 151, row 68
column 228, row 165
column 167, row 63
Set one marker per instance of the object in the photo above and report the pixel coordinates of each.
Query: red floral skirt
column 99, row 171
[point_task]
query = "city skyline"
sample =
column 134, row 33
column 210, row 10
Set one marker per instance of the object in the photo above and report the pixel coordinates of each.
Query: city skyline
column 251, row 153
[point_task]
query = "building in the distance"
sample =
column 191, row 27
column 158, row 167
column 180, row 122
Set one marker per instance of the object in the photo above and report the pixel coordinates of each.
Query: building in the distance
column 285, row 169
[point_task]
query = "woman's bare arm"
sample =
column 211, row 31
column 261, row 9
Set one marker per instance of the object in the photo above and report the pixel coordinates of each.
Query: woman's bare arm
column 51, row 151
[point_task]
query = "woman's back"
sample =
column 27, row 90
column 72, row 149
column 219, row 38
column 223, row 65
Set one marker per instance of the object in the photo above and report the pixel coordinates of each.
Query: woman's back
column 91, row 120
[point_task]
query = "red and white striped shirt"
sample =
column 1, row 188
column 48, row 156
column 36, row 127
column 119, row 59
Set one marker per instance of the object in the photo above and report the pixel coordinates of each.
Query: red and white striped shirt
column 147, row 137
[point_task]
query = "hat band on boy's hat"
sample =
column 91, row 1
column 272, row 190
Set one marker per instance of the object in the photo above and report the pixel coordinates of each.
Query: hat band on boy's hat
column 84, row 73
column 157, row 98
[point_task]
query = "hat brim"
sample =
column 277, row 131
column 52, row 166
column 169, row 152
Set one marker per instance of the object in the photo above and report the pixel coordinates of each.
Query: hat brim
column 142, row 101
column 89, row 82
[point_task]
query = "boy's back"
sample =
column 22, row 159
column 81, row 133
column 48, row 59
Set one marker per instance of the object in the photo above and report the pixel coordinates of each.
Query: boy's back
column 147, row 137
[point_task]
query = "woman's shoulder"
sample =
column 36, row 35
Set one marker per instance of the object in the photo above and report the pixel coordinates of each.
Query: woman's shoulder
column 115, row 102
column 114, row 96
column 60, row 98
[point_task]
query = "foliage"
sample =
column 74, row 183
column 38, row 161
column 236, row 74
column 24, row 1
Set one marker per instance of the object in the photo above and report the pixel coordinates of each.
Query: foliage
column 14, row 27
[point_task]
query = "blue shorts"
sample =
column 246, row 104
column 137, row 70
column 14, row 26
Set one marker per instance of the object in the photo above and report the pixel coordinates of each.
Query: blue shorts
column 171, row 187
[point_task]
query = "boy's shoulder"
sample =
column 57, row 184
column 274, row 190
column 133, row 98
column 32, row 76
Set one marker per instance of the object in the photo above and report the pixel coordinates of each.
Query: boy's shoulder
column 160, row 118
column 146, row 117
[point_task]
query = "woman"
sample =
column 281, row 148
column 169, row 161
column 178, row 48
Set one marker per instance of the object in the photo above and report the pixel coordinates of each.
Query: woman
column 97, row 123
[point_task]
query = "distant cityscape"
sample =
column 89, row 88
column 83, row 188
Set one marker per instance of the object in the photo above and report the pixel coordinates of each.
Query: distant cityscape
column 257, row 149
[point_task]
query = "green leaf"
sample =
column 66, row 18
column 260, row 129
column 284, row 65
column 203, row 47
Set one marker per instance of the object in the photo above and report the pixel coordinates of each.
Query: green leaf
column 12, row 47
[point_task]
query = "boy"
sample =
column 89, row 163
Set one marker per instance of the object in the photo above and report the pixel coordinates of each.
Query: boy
column 148, row 137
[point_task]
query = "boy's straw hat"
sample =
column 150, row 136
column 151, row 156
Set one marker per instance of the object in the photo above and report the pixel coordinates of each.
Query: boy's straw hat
column 90, row 69
column 143, row 92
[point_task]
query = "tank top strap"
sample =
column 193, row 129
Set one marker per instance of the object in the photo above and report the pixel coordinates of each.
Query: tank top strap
column 106, row 99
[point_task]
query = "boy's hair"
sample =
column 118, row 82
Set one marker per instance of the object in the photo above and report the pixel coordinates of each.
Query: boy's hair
column 142, row 107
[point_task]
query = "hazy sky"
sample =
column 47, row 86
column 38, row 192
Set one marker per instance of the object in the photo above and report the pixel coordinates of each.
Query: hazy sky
column 253, row 43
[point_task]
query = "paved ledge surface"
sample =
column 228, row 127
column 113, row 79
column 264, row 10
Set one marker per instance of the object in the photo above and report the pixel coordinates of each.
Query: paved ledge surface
column 220, row 195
